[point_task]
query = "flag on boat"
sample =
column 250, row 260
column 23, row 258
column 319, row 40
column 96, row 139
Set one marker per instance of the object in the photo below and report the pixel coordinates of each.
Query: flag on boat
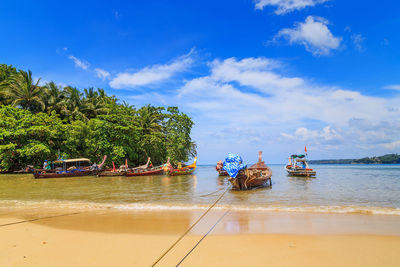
column 305, row 149
column 233, row 164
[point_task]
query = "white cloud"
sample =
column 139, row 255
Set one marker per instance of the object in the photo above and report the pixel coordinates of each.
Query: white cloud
column 152, row 74
column 328, row 133
column 358, row 40
column 392, row 145
column 156, row 98
column 314, row 34
column 284, row 101
column 103, row 74
column 393, row 87
column 373, row 132
column 241, row 95
column 246, row 104
column 79, row 63
column 255, row 72
column 286, row 6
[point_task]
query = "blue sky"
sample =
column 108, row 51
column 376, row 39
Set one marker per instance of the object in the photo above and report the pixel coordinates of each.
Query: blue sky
column 273, row 75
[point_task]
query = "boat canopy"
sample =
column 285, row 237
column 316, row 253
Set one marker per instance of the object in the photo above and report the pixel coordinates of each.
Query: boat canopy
column 72, row 160
column 300, row 156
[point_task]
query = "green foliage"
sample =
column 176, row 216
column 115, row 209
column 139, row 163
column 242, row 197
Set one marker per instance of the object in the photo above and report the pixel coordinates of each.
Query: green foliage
column 5, row 73
column 40, row 122
column 21, row 90
column 385, row 159
column 27, row 138
column 177, row 128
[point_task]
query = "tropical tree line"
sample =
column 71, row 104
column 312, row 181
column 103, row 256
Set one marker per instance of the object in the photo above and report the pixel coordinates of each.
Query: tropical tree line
column 48, row 122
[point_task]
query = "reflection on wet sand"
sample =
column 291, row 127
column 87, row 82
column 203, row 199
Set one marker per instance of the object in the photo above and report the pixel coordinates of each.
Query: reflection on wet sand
column 171, row 222
column 222, row 181
column 236, row 222
column 243, row 196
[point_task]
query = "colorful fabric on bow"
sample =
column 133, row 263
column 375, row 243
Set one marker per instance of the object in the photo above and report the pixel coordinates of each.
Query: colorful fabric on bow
column 233, row 164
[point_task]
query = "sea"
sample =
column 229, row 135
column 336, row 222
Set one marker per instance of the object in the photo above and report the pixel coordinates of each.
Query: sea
column 355, row 189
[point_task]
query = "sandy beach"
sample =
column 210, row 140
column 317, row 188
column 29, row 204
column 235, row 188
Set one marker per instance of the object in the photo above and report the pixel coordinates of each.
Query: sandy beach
column 106, row 238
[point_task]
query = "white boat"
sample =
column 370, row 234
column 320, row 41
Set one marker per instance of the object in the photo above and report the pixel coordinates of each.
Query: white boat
column 298, row 166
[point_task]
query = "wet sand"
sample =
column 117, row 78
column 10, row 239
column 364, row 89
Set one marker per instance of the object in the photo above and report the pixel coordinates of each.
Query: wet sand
column 109, row 237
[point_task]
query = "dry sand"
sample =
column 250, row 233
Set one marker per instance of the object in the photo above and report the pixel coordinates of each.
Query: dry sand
column 109, row 238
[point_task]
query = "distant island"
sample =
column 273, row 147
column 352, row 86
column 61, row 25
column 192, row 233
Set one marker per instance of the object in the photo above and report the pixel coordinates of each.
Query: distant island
column 385, row 159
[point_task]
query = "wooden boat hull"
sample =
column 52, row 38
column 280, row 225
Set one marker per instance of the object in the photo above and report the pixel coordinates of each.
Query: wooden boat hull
column 301, row 172
column 110, row 173
column 183, row 171
column 157, row 171
column 223, row 173
column 44, row 175
column 245, row 181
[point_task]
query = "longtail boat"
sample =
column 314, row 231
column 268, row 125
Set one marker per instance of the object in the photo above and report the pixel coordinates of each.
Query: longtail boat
column 189, row 169
column 111, row 173
column 145, row 169
column 28, row 169
column 66, row 168
column 258, row 175
column 114, row 172
column 219, row 169
column 298, row 166
column 159, row 170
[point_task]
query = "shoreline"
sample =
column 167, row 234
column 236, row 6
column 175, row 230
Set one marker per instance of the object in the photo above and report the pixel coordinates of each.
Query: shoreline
column 86, row 206
column 107, row 237
column 236, row 222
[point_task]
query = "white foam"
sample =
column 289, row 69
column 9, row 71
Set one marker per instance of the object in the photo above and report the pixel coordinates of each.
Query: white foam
column 188, row 207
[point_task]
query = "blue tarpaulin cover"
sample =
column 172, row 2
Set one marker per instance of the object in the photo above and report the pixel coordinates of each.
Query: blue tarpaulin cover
column 233, row 164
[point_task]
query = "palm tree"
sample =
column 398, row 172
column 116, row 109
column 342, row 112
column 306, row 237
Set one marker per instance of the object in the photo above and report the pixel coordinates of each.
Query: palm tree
column 6, row 71
column 150, row 119
column 23, row 91
column 108, row 100
column 94, row 104
column 72, row 104
column 149, row 122
column 125, row 104
column 53, row 96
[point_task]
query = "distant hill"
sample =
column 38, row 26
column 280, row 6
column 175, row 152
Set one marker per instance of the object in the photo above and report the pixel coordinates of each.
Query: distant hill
column 385, row 159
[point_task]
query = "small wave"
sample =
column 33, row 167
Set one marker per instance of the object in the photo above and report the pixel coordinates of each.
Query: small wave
column 92, row 206
column 304, row 209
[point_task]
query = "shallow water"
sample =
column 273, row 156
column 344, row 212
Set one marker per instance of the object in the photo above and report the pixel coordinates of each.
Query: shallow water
column 370, row 189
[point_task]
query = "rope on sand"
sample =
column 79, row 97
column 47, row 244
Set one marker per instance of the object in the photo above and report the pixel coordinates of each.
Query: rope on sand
column 211, row 193
column 41, row 218
column 198, row 242
column 190, row 228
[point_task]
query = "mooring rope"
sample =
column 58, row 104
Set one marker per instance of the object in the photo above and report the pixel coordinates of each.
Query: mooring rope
column 212, row 193
column 41, row 218
column 198, row 242
column 190, row 228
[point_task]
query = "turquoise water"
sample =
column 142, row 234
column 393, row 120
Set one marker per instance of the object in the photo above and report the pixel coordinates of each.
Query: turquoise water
column 371, row 189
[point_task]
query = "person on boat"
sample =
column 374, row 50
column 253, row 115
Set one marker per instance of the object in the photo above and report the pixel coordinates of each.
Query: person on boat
column 94, row 167
column 219, row 166
column 45, row 164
